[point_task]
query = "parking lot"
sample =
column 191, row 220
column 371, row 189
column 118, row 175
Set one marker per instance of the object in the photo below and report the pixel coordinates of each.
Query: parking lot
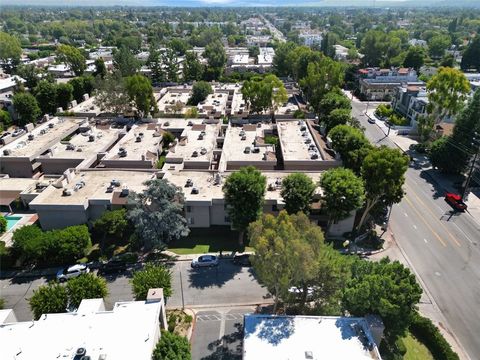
column 218, row 334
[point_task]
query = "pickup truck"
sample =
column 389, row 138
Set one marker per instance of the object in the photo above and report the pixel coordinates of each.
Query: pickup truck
column 455, row 201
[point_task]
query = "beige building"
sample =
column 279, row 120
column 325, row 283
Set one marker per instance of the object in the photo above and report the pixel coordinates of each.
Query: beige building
column 19, row 158
column 79, row 197
column 137, row 149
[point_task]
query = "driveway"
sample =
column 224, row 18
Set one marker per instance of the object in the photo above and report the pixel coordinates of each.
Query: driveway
column 218, row 334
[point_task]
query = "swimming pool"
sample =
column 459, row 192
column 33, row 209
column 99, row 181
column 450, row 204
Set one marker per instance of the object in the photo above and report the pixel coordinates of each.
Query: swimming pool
column 12, row 220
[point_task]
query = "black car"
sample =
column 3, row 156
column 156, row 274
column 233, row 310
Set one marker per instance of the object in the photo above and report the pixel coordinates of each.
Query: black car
column 113, row 266
column 242, row 260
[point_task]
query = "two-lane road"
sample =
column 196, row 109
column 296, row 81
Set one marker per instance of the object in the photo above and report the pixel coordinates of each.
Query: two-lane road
column 442, row 247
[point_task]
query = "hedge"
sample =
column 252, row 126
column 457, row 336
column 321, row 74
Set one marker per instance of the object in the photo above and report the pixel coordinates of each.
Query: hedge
column 427, row 333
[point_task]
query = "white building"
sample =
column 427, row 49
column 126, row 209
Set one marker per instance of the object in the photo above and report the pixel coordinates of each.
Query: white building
column 311, row 38
column 311, row 337
column 130, row 331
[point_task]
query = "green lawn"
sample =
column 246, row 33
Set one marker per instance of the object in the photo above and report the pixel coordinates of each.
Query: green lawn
column 213, row 239
column 415, row 349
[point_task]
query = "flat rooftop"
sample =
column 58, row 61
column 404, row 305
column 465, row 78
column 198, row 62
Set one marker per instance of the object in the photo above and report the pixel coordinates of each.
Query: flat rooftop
column 214, row 104
column 44, row 136
column 94, row 187
column 127, row 332
column 81, row 145
column 238, row 138
column 307, row 337
column 167, row 102
column 297, row 142
column 149, row 136
column 86, row 107
column 196, row 143
column 176, row 124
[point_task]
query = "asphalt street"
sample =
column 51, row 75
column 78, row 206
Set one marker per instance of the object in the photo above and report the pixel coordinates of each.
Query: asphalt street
column 221, row 286
column 442, row 246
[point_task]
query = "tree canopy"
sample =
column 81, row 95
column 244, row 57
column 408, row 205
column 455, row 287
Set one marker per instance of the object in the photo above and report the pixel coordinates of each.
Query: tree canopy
column 244, row 192
column 192, row 68
column 151, row 277
column 262, row 94
column 26, row 106
column 157, row 213
column 140, row 92
column 216, row 60
column 297, row 193
column 471, row 55
column 10, row 51
column 85, row 286
column 72, row 57
column 172, row 347
column 48, row 299
column 200, row 91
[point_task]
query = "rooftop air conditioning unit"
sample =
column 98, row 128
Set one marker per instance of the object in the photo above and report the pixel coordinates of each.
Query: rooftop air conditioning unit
column 200, row 137
column 303, row 128
column 43, row 132
column 110, row 189
column 311, row 147
column 125, row 192
column 314, row 156
column 70, row 147
column 190, row 123
column 51, row 125
column 247, row 150
column 81, row 351
column 189, row 183
column 138, row 139
column 308, row 141
column 31, row 136
column 141, row 134
column 203, row 151
column 243, row 137
column 304, row 134
column 195, row 190
column 115, row 183
column 256, row 150
column 195, row 154
column 259, row 125
column 91, row 138
column 7, row 152
column 67, row 192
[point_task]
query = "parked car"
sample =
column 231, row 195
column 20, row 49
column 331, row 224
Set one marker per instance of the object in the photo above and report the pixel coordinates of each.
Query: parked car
column 71, row 272
column 242, row 260
column 115, row 265
column 205, row 261
column 297, row 292
column 455, row 201
column 371, row 120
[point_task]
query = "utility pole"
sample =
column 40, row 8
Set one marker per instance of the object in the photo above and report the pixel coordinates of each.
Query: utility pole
column 472, row 167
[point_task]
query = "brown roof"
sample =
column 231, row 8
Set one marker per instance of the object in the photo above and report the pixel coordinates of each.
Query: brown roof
column 8, row 196
column 199, row 127
column 445, row 128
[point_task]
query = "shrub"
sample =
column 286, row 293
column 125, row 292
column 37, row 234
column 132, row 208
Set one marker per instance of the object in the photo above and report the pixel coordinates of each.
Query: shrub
column 299, row 114
column 50, row 298
column 400, row 346
column 85, row 286
column 172, row 322
column 200, row 91
column 3, row 224
column 55, row 247
column 271, row 139
column 427, row 333
column 152, row 276
column 384, row 111
column 398, row 120
column 112, row 223
column 172, row 347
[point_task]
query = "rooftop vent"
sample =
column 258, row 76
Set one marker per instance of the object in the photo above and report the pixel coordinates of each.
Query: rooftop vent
column 203, row 133
column 247, row 150
column 304, row 134
column 242, row 133
column 311, row 147
column 308, row 141
column 189, row 183
column 125, row 192
column 256, row 150
column 115, row 183
column 303, row 128
column 43, row 131
column 31, row 136
column 166, row 123
column 91, row 138
column 308, row 355
column 81, row 351
column 190, row 123
column 259, row 125
column 51, row 125
column 243, row 137
column 195, row 190
column 7, row 152
column 195, row 154
column 138, row 139
column 141, row 134
column 314, row 156
column 200, row 137
column 110, row 189
column 122, row 152
column 70, row 147
column 203, row 151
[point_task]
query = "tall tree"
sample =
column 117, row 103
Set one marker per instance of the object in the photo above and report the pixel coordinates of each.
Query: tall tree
column 140, row 92
column 170, row 63
column 30, row 74
column 297, row 193
column 438, row 44
column 200, row 91
column 151, row 277
column 447, row 92
column 158, row 214
column 85, row 286
column 72, row 57
column 244, row 192
column 287, row 248
column 172, row 347
column 48, row 299
column 383, row 173
column 82, row 85
column 192, row 68
column 373, row 47
column 216, row 60
column 46, row 95
column 154, row 62
column 100, row 68
column 343, row 193
column 282, row 61
column 471, row 55
column 125, row 62
column 111, row 95
column 337, row 117
column 26, row 106
column 64, row 94
column 10, row 51
column 333, row 100
column 385, row 288
column 415, row 57
column 351, row 144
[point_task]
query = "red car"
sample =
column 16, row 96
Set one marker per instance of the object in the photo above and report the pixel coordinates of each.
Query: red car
column 455, row 201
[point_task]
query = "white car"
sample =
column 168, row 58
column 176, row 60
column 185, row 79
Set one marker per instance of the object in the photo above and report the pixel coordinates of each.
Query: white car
column 204, row 261
column 71, row 272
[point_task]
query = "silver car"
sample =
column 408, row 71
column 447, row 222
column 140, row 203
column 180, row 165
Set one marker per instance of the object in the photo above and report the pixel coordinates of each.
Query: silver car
column 205, row 261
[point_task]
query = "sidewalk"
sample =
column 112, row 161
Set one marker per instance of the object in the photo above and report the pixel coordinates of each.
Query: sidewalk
column 427, row 306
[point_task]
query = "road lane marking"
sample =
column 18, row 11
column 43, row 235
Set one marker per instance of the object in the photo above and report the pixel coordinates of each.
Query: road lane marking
column 406, row 215
column 425, row 222
column 435, row 216
column 414, row 226
column 425, row 240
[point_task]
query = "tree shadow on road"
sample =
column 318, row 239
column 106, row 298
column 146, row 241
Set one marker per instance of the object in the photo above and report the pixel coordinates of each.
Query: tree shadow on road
column 216, row 276
column 441, row 183
column 229, row 347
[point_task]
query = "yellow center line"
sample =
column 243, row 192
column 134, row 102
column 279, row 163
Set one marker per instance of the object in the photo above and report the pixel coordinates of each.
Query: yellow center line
column 434, row 215
column 425, row 222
